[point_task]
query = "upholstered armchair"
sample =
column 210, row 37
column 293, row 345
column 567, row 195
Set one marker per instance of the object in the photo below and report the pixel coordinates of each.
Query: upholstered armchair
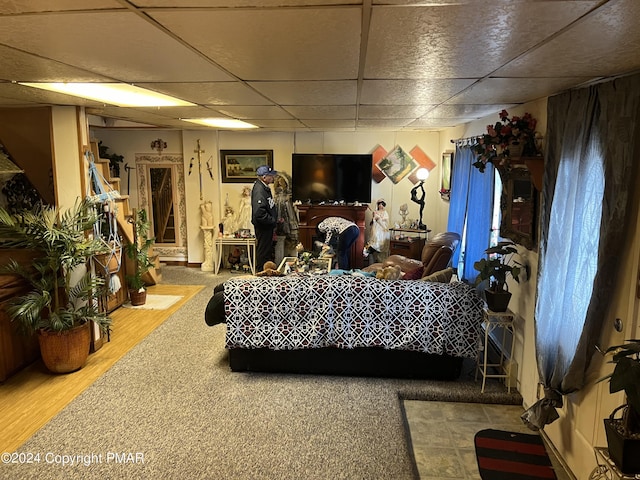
column 436, row 255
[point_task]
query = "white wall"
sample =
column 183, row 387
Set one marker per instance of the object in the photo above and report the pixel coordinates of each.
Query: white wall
column 129, row 142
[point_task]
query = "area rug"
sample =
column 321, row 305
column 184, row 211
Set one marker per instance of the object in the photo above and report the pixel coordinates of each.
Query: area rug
column 512, row 456
column 156, row 302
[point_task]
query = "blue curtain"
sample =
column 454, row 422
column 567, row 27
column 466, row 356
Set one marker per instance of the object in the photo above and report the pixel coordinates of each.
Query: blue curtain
column 470, row 209
column 593, row 137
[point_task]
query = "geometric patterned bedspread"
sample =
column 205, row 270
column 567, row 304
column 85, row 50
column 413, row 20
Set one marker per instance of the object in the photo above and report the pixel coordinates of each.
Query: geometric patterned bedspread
column 313, row 311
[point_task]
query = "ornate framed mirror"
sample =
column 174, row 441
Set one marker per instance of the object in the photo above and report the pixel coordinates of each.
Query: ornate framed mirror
column 518, row 205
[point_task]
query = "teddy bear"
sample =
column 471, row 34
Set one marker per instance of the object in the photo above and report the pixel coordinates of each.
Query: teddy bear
column 270, row 270
column 391, row 272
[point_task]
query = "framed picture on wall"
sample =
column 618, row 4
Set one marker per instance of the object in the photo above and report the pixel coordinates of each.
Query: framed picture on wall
column 239, row 166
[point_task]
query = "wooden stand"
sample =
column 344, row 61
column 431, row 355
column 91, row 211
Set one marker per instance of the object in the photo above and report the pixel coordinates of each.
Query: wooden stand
column 312, row 215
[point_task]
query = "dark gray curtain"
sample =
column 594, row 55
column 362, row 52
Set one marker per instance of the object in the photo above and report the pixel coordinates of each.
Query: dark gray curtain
column 601, row 121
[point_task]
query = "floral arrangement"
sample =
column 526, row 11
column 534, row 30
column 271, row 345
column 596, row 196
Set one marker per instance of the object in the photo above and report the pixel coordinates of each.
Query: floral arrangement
column 503, row 138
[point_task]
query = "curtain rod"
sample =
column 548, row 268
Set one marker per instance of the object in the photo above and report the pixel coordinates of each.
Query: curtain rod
column 466, row 140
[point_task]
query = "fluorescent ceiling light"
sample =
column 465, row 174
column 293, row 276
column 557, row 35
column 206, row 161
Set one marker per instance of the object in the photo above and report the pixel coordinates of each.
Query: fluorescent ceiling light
column 120, row 94
column 220, row 122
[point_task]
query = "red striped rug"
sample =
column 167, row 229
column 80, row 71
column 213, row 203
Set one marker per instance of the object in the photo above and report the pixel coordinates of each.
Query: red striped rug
column 512, row 456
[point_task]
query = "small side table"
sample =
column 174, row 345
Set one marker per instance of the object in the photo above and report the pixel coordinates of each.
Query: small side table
column 606, row 469
column 248, row 242
column 490, row 322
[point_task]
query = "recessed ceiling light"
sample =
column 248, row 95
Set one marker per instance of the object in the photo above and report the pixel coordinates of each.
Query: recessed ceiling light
column 220, row 122
column 120, row 94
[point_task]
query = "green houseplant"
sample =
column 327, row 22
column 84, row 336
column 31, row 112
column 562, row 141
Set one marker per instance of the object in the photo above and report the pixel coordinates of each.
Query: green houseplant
column 62, row 301
column 623, row 434
column 495, row 269
column 139, row 251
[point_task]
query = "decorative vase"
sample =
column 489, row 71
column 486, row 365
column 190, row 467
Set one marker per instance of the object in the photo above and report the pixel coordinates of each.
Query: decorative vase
column 138, row 297
column 66, row 351
column 497, row 301
column 625, row 452
column 516, row 149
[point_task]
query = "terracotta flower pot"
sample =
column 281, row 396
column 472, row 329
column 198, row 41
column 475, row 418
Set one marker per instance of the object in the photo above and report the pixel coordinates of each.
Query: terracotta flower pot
column 66, row 351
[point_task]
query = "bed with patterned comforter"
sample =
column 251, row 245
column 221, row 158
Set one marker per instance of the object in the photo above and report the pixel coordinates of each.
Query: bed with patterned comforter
column 351, row 325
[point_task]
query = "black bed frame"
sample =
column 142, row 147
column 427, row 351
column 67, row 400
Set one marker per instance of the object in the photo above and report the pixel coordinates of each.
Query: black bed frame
column 357, row 362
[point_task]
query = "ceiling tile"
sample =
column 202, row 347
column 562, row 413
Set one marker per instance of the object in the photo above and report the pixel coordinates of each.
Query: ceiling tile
column 391, row 111
column 309, row 93
column 21, row 67
column 410, row 92
column 385, row 123
column 211, row 93
column 514, row 90
column 602, row 44
column 338, row 112
column 8, row 7
column 444, row 42
column 30, row 94
column 466, row 111
column 274, row 44
column 258, row 112
column 313, row 123
column 118, row 45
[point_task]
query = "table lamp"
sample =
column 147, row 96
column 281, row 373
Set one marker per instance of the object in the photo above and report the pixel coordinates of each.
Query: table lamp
column 422, row 174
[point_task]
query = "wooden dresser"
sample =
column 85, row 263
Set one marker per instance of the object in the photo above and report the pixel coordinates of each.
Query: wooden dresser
column 312, row 215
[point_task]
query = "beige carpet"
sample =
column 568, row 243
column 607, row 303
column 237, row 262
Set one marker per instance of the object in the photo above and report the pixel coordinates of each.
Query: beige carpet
column 173, row 401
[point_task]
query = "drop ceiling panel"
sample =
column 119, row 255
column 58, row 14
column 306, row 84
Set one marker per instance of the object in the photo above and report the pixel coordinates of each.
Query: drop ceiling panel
column 444, row 42
column 410, row 92
column 267, row 123
column 243, row 3
column 258, row 111
column 22, row 67
column 8, row 7
column 392, row 111
column 322, row 124
column 514, row 90
column 277, row 44
column 179, row 112
column 338, row 112
column 295, row 65
column 35, row 95
column 602, row 44
column 117, row 45
column 309, row 93
column 385, row 123
column 211, row 93
column 467, row 112
column 437, row 123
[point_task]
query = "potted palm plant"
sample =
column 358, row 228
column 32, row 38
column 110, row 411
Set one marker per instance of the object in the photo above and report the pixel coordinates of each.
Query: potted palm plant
column 495, row 269
column 623, row 434
column 139, row 251
column 62, row 301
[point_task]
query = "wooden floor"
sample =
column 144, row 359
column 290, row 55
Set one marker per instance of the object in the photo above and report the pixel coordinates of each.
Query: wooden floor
column 29, row 399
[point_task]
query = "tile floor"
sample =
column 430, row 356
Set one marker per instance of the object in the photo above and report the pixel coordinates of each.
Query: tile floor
column 442, row 436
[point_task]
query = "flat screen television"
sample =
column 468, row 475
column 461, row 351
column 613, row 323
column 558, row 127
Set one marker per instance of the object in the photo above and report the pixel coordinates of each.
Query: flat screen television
column 331, row 178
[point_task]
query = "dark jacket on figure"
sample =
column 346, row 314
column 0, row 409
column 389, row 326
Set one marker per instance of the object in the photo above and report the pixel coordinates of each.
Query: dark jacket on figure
column 264, row 213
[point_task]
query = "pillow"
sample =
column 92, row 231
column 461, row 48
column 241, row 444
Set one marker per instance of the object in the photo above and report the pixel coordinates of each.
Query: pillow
column 414, row 274
column 443, row 276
